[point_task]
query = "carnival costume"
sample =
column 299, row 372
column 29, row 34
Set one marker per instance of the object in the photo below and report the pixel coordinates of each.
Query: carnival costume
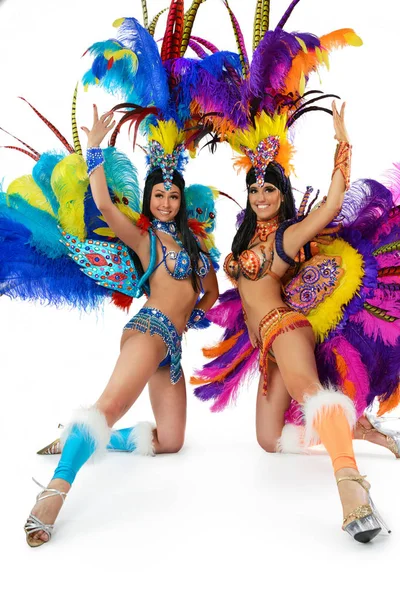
column 55, row 246
column 345, row 285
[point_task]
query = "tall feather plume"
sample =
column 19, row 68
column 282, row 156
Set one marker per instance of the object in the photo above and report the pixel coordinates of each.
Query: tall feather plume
column 75, row 135
column 153, row 24
column 176, row 42
column 265, row 17
column 130, row 66
column 169, row 32
column 257, row 24
column 32, row 152
column 205, row 43
column 51, row 127
column 197, row 48
column 188, row 24
column 151, row 83
column 145, row 14
column 270, row 66
column 239, row 40
column 287, row 14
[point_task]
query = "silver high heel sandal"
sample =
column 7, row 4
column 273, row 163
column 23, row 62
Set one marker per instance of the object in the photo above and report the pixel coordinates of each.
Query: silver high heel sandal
column 33, row 524
column 364, row 522
column 392, row 438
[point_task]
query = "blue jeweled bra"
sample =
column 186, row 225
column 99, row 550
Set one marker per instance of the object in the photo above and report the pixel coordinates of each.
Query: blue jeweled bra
column 183, row 268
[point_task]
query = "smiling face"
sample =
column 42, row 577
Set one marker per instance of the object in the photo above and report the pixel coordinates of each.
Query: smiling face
column 265, row 200
column 165, row 204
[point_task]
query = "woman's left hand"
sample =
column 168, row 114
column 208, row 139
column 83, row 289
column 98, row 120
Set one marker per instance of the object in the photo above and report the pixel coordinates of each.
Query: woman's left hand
column 341, row 134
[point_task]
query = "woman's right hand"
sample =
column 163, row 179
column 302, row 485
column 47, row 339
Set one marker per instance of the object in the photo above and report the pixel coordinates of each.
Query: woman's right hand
column 101, row 126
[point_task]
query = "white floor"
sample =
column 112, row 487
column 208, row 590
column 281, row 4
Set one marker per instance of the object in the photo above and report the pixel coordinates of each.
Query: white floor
column 221, row 519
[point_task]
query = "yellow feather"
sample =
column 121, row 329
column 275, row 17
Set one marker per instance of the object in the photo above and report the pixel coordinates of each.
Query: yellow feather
column 325, row 58
column 69, row 181
column 167, row 134
column 264, row 126
column 302, row 44
column 353, row 39
column 302, row 84
column 118, row 22
column 105, row 231
column 329, row 313
column 123, row 53
column 32, row 194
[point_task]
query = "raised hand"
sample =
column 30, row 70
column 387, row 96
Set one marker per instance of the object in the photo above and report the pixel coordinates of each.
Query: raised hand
column 101, row 126
column 341, row 134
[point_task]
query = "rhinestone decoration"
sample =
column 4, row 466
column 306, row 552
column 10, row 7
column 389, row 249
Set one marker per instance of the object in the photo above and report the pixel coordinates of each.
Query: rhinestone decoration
column 265, row 153
column 168, row 163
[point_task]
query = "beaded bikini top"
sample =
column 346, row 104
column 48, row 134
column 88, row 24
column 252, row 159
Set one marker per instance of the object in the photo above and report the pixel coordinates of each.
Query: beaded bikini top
column 250, row 263
column 183, row 267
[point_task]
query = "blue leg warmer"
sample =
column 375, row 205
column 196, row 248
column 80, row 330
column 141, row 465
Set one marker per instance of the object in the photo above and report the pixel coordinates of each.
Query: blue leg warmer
column 85, row 435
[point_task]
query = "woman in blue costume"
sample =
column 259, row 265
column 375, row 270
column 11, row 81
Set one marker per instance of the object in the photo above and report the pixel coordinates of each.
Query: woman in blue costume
column 152, row 338
column 169, row 245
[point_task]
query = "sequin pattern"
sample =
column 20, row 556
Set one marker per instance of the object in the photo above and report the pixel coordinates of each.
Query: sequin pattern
column 108, row 263
column 315, row 280
column 156, row 322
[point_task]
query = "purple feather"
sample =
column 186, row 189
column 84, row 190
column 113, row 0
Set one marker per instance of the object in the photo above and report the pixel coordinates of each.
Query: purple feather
column 287, row 14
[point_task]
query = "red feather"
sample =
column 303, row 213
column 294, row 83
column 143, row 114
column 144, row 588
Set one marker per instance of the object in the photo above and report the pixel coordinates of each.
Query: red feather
column 169, row 32
column 178, row 30
column 21, row 142
column 143, row 223
column 35, row 158
column 121, row 300
column 197, row 228
column 51, row 126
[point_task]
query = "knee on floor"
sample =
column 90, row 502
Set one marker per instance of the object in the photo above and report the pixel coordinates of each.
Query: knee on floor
column 267, row 443
column 170, row 445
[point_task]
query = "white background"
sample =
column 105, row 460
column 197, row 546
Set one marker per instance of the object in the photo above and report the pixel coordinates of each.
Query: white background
column 222, row 519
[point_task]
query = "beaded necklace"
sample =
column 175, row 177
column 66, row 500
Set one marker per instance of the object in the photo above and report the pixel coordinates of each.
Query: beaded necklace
column 265, row 228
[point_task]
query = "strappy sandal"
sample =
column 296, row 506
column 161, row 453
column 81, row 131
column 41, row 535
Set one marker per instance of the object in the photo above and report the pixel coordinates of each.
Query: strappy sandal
column 364, row 522
column 34, row 525
column 392, row 439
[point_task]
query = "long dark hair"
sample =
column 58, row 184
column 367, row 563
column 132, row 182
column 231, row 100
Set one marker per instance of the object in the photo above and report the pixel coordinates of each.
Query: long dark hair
column 273, row 174
column 188, row 240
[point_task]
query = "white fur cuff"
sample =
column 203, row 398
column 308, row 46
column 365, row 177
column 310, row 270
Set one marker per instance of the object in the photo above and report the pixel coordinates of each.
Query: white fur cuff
column 292, row 440
column 323, row 400
column 96, row 425
column 142, row 438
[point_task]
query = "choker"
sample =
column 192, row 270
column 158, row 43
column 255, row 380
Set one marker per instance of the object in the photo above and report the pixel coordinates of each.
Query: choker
column 264, row 228
column 165, row 226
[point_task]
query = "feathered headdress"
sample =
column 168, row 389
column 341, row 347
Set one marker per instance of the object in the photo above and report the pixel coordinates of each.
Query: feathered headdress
column 255, row 108
column 157, row 85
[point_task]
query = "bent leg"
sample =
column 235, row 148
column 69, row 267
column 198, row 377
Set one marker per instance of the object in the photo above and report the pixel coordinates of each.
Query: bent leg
column 270, row 410
column 139, row 358
column 329, row 414
column 169, row 406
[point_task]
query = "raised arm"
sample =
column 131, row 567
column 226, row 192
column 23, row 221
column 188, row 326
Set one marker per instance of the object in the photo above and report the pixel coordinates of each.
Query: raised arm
column 301, row 233
column 123, row 227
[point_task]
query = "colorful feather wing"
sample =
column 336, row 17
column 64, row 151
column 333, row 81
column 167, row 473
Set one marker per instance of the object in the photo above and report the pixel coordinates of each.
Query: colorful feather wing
column 234, row 360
